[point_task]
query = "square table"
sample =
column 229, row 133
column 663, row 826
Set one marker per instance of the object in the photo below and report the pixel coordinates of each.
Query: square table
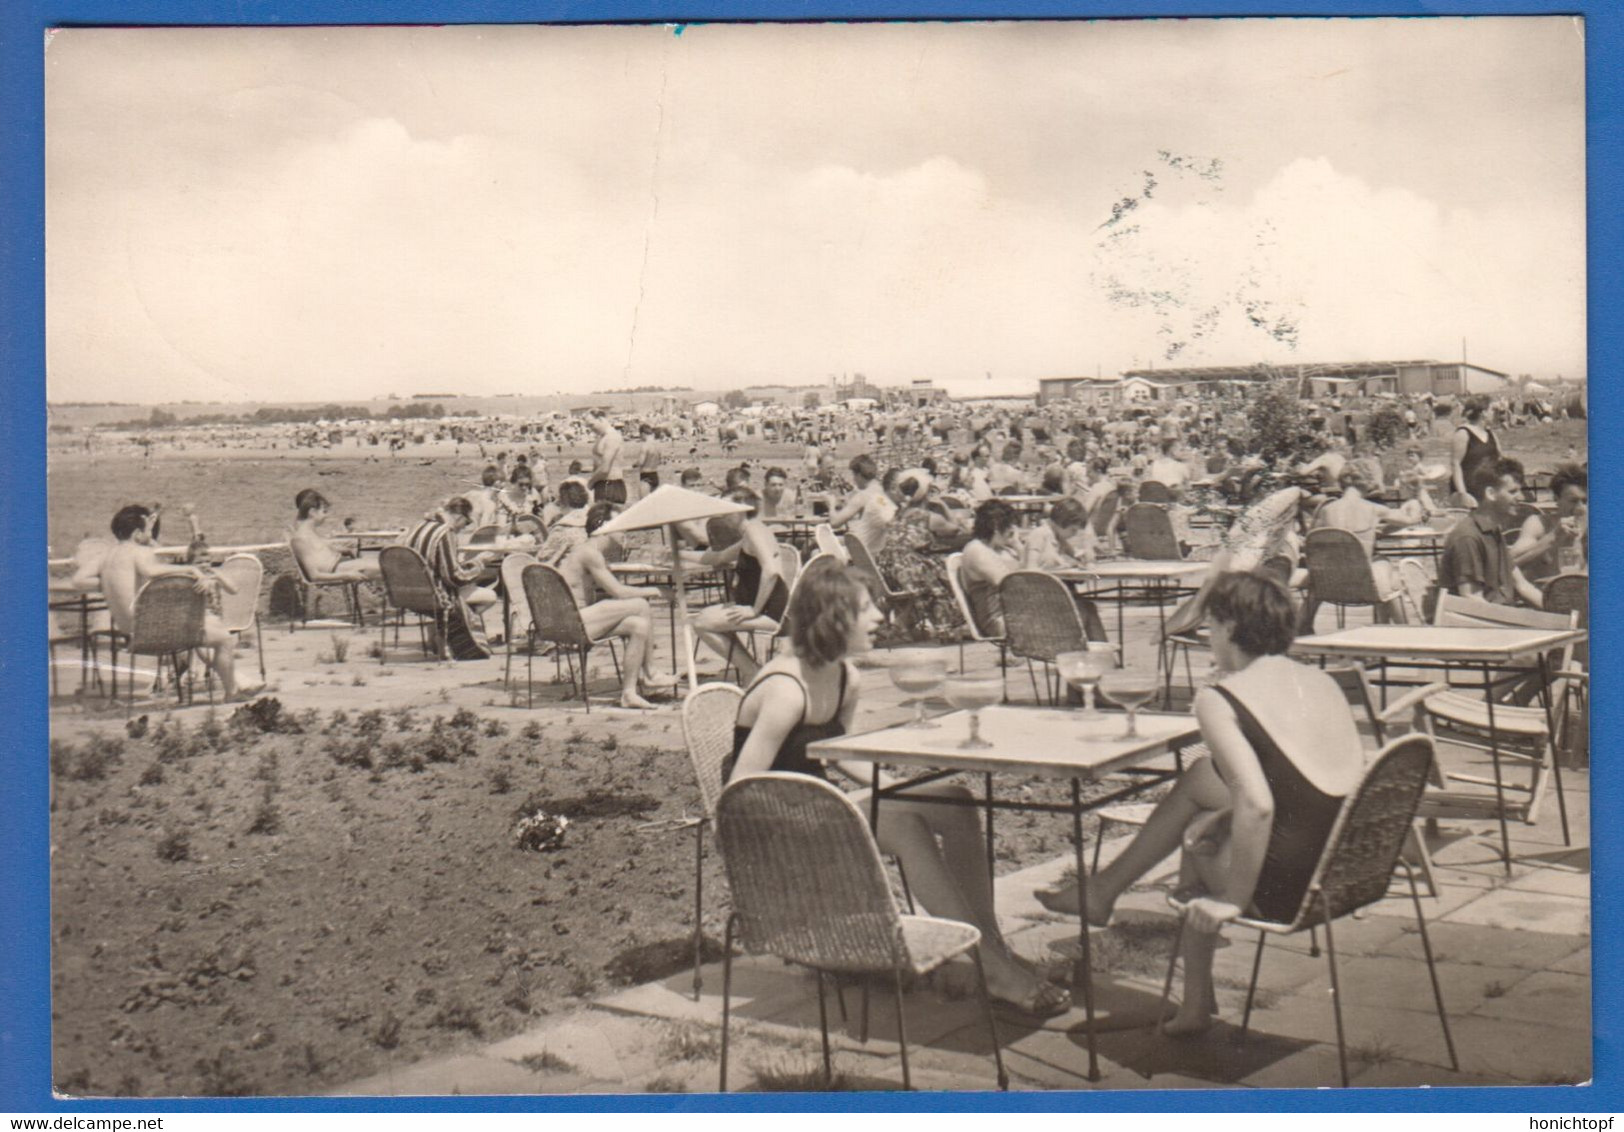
column 1487, row 649
column 1034, row 742
column 1409, row 541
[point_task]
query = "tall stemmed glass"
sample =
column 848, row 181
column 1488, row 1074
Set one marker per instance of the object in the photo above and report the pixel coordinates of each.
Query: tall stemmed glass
column 1131, row 689
column 972, row 693
column 919, row 676
column 1083, row 669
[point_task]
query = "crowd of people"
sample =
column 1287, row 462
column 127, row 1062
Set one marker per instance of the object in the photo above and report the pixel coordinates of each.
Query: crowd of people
column 1003, row 491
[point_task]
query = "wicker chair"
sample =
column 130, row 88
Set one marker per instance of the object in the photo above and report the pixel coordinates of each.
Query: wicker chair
column 518, row 618
column 168, row 624
column 1040, row 622
column 240, row 610
column 1339, row 574
column 808, row 886
column 1466, row 718
column 1104, row 518
column 308, row 587
column 887, row 599
column 409, row 588
column 485, row 535
column 1147, row 532
column 529, row 525
column 555, row 619
column 955, row 568
column 708, row 717
column 1570, row 593
column 1354, row 871
column 1155, row 491
column 829, row 542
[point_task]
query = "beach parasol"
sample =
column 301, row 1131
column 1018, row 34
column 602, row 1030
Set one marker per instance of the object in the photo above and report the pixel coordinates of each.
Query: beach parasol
column 667, row 506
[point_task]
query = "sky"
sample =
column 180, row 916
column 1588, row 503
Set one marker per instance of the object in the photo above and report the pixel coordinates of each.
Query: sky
column 335, row 214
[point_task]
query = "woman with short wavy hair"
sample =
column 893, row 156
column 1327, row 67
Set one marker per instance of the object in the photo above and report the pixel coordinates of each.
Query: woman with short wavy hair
column 1255, row 816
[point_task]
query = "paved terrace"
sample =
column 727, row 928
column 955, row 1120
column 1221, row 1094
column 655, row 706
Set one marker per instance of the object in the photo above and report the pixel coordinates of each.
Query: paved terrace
column 1514, row 952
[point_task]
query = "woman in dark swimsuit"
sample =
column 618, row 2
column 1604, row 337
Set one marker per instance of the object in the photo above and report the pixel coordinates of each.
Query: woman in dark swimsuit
column 760, row 592
column 1474, row 446
column 1255, row 817
column 810, row 695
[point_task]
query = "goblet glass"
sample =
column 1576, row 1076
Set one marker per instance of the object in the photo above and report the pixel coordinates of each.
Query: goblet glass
column 1083, row 669
column 1131, row 689
column 919, row 676
column 972, row 693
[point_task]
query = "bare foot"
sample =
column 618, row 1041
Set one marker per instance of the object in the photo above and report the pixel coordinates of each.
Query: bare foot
column 633, row 700
column 1064, row 901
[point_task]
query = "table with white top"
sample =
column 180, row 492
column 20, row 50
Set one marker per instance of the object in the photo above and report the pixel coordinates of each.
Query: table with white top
column 1500, row 655
column 1052, row 743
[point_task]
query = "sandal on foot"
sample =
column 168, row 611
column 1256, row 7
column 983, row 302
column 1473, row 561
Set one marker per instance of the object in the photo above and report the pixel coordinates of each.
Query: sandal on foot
column 1047, row 1001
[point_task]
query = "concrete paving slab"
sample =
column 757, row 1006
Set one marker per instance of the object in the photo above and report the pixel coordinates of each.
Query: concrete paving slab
column 1373, row 1032
column 1576, row 964
column 1554, row 881
column 1404, row 985
column 1526, row 911
column 1550, row 998
column 1488, row 947
column 1522, row 1051
column 1401, row 1074
column 467, row 1075
column 582, row 1041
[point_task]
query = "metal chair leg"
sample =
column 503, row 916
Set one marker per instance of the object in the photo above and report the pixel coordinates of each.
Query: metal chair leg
column 727, row 996
column 699, row 904
column 992, row 1023
column 1336, row 987
column 902, row 1029
column 586, row 698
column 1432, row 970
column 1251, row 988
column 823, row 1028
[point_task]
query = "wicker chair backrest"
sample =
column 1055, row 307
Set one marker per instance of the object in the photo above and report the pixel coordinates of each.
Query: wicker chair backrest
column 1338, row 568
column 553, row 609
column 1147, row 532
column 789, row 560
column 488, row 533
column 828, row 541
column 1363, row 849
column 529, row 525
column 512, row 573
column 168, row 617
column 407, row 581
column 246, row 573
column 1155, row 491
column 1104, row 513
column 1569, row 593
column 805, row 875
column 1040, row 618
column 708, row 717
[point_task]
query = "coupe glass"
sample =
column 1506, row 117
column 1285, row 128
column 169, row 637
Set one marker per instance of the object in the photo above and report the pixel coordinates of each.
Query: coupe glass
column 919, row 676
column 972, row 693
column 1083, row 669
column 1131, row 689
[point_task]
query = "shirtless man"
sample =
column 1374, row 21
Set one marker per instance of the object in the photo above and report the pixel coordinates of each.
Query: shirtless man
column 131, row 564
column 320, row 559
column 624, row 613
column 608, row 479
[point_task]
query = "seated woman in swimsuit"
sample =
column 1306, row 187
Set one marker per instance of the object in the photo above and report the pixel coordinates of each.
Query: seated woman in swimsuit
column 1285, row 754
column 320, row 559
column 812, row 694
column 760, row 592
